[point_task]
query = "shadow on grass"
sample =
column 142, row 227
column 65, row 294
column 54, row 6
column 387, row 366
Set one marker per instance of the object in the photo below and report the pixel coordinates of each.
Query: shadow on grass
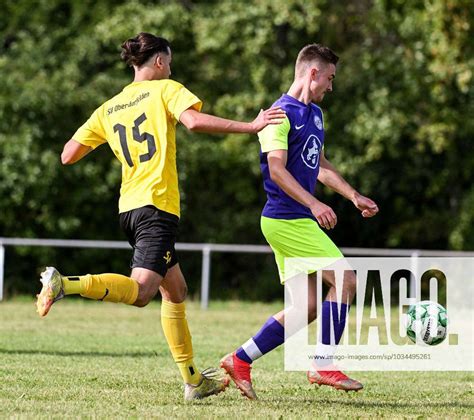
column 80, row 353
column 374, row 403
column 377, row 403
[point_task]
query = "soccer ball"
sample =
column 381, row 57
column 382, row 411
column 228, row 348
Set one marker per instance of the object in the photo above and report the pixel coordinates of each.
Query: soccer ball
column 426, row 322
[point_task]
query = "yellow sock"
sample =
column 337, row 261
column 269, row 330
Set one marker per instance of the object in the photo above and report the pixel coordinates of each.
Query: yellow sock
column 108, row 287
column 175, row 327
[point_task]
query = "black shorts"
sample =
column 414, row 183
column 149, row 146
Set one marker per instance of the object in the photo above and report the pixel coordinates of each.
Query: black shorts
column 152, row 234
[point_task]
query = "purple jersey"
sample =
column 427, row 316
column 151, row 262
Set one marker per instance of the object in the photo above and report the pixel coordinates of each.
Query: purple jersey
column 302, row 135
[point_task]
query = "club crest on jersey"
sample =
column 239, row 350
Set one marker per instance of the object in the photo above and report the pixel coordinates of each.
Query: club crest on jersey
column 318, row 123
column 311, row 150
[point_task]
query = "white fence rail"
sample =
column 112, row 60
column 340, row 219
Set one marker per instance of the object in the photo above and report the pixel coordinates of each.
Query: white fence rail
column 207, row 250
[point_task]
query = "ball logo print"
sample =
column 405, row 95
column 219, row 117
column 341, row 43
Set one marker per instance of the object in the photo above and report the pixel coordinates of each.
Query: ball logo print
column 311, row 150
column 318, row 123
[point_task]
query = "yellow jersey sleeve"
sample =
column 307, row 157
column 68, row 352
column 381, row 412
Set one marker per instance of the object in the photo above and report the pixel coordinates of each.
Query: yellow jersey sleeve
column 92, row 132
column 178, row 99
column 275, row 136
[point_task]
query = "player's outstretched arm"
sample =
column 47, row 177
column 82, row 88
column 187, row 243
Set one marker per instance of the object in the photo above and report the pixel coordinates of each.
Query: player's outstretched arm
column 329, row 176
column 204, row 123
column 74, row 151
column 287, row 182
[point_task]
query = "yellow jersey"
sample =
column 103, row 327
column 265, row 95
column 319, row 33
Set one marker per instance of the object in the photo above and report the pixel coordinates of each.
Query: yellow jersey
column 139, row 124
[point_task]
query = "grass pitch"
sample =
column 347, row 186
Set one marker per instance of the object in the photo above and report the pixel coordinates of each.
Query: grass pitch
column 91, row 359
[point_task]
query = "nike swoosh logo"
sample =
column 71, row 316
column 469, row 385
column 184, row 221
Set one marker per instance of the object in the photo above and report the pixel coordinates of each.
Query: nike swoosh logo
column 106, row 293
column 299, row 127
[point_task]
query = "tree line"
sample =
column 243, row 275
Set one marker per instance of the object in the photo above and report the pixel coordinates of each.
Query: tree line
column 399, row 124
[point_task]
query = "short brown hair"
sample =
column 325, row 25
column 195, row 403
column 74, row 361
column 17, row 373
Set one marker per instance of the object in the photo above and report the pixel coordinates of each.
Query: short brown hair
column 316, row 52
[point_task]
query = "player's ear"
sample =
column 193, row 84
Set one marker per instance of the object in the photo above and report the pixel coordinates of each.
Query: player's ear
column 159, row 61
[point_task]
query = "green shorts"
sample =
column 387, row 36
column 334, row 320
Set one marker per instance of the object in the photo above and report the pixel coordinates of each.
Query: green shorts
column 297, row 238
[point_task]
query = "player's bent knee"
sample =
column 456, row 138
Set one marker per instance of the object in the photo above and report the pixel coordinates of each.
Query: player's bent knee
column 143, row 300
column 146, row 293
column 148, row 284
column 176, row 295
column 349, row 284
column 140, row 303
